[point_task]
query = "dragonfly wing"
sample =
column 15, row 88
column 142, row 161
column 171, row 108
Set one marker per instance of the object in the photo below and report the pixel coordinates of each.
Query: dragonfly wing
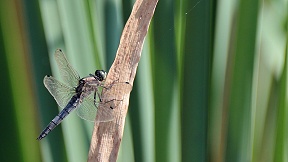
column 110, row 102
column 87, row 110
column 61, row 92
column 105, row 112
column 67, row 72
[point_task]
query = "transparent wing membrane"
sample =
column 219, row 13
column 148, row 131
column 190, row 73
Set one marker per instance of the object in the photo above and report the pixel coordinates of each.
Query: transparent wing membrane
column 61, row 93
column 117, row 89
column 105, row 112
column 87, row 110
column 67, row 72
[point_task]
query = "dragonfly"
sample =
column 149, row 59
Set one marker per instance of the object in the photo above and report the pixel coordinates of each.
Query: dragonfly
column 77, row 93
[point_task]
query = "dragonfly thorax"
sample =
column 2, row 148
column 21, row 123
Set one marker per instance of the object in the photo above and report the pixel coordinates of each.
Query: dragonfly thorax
column 80, row 86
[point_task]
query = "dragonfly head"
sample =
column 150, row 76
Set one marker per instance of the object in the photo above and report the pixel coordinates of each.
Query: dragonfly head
column 100, row 74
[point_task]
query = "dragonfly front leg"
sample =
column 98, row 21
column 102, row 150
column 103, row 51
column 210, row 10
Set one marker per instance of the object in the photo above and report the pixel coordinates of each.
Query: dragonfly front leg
column 96, row 93
column 123, row 88
column 115, row 82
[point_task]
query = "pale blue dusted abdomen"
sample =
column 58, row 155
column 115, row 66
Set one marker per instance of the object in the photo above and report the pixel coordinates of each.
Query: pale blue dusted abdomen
column 72, row 104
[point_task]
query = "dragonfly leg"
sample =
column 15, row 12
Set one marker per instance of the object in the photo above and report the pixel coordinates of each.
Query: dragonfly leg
column 96, row 93
column 123, row 88
column 100, row 99
column 112, row 107
column 113, row 83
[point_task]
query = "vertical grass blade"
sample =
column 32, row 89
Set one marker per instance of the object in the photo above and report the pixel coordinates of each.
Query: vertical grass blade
column 37, row 45
column 239, row 101
column 141, row 110
column 196, row 78
column 18, row 67
column 113, row 28
column 216, row 128
column 280, row 140
column 7, row 111
column 164, row 74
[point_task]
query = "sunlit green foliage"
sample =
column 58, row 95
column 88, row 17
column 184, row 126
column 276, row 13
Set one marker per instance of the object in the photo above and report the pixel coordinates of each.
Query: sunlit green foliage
column 211, row 83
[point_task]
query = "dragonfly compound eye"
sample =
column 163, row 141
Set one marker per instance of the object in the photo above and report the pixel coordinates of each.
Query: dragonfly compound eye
column 100, row 74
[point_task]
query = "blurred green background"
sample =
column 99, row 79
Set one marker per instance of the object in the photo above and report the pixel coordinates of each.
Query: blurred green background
column 211, row 84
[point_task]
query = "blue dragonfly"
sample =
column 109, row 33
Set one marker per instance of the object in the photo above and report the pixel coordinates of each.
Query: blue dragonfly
column 77, row 93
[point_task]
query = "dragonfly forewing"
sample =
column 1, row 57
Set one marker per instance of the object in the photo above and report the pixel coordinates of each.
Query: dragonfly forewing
column 67, row 72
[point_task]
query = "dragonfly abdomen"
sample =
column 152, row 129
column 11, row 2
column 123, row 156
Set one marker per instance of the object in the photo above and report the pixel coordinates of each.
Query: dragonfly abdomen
column 59, row 118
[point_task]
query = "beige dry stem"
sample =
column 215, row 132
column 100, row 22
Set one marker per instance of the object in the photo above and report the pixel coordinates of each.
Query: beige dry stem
column 107, row 136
